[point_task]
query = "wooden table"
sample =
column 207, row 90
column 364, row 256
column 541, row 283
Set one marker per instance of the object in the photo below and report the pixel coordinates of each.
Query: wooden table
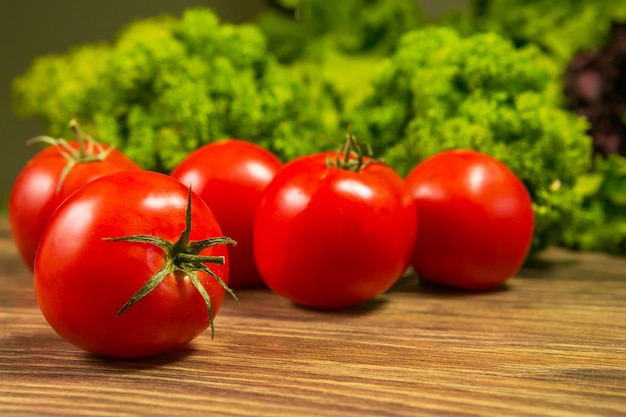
column 552, row 343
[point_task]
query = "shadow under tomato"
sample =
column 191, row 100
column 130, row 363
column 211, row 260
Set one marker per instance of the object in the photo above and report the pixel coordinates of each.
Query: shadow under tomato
column 140, row 364
column 540, row 268
column 429, row 287
column 364, row 308
column 411, row 283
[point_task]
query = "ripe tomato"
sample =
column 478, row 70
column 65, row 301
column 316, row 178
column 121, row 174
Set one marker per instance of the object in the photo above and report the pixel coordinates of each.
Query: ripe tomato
column 326, row 236
column 121, row 268
column 476, row 220
column 42, row 185
column 229, row 176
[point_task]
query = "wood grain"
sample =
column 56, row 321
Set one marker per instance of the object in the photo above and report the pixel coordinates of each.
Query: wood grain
column 552, row 343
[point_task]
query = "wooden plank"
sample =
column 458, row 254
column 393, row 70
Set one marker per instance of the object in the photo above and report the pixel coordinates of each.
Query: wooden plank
column 552, row 343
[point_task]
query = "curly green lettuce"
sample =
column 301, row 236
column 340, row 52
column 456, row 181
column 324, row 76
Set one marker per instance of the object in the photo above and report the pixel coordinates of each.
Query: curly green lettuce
column 604, row 202
column 167, row 85
column 560, row 29
column 337, row 46
column 441, row 90
column 353, row 26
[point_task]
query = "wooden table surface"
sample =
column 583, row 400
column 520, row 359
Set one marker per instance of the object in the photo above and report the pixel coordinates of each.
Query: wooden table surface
column 552, row 343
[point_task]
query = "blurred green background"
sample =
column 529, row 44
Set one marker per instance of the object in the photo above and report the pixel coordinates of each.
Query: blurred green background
column 31, row 28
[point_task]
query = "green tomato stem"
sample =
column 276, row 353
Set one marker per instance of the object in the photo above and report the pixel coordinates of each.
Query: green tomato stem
column 351, row 157
column 183, row 259
column 93, row 153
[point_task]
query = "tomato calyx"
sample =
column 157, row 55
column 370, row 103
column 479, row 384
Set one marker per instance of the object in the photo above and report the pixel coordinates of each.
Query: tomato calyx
column 88, row 150
column 351, row 157
column 183, row 259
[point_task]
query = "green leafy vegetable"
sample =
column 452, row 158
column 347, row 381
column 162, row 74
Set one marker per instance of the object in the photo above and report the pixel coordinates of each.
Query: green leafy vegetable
column 168, row 85
column 576, row 35
column 353, row 26
column 337, row 46
column 604, row 202
column 295, row 80
column 441, row 90
column 560, row 28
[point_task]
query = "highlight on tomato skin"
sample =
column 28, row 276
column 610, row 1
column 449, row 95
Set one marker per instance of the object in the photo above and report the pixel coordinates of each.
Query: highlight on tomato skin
column 327, row 236
column 476, row 220
column 229, row 175
column 132, row 264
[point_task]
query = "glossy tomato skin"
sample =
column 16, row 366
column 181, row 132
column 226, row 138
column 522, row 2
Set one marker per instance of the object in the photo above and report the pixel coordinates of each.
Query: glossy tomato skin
column 326, row 237
column 476, row 220
column 229, row 175
column 82, row 281
column 34, row 195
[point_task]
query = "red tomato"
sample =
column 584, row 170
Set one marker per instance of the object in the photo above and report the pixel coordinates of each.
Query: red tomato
column 36, row 193
column 84, row 281
column 476, row 220
column 329, row 237
column 229, row 176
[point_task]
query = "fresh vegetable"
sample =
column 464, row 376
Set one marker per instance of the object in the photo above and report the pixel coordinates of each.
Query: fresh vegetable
column 585, row 41
column 604, row 203
column 475, row 217
column 595, row 87
column 335, row 47
column 491, row 81
column 132, row 264
column 562, row 28
column 168, row 85
column 442, row 91
column 229, row 175
column 334, row 230
column 49, row 177
column 292, row 27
